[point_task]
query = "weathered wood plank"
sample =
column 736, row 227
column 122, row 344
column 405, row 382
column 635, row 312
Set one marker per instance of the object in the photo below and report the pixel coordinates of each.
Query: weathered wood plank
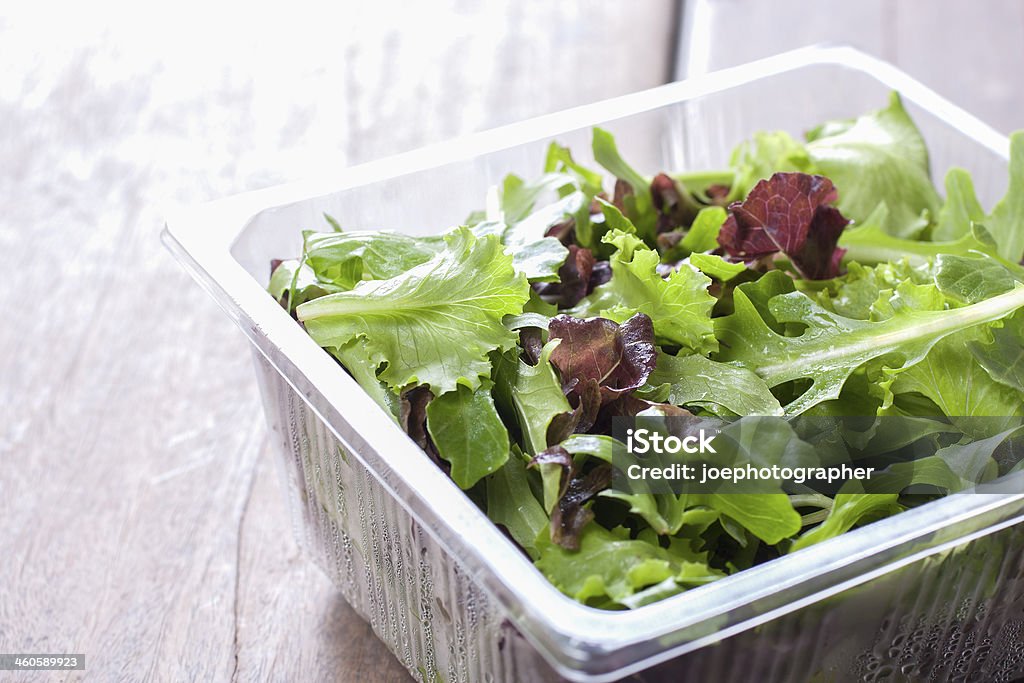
column 136, row 525
column 292, row 624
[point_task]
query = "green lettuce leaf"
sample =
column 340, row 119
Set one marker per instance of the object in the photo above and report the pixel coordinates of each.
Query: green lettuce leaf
column 847, row 510
column 961, row 209
column 606, row 153
column 698, row 381
column 664, row 512
column 518, row 198
column 345, row 258
column 639, row 206
column 293, row 282
column 679, row 305
column 531, row 395
column 511, row 503
column 540, row 260
column 1003, row 356
column 831, row 346
column 559, row 160
column 535, row 256
column 611, row 565
column 869, row 243
column 769, row 516
column 972, row 279
column 715, row 266
column 468, row 433
column 858, row 293
column 957, row 384
column 353, row 358
column 434, row 324
column 764, row 154
column 879, row 157
column 703, row 234
column 1006, row 222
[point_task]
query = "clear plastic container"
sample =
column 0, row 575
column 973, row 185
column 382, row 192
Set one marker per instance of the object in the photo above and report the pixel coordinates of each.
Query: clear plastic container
column 937, row 591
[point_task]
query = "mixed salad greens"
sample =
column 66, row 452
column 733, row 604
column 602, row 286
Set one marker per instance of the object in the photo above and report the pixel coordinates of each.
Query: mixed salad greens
column 817, row 277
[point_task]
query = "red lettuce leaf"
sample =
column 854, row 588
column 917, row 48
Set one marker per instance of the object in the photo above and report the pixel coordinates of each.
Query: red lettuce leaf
column 574, row 277
column 532, row 342
column 564, row 232
column 675, row 206
column 571, row 514
column 788, row 213
column 619, row 358
column 599, row 274
column 621, row 191
column 413, row 418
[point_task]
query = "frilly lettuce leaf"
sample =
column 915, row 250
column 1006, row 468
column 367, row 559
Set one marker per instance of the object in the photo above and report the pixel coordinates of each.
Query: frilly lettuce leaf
column 353, row 358
column 433, row 324
column 857, row 293
column 789, row 213
column 345, row 258
column 611, row 566
column 679, row 305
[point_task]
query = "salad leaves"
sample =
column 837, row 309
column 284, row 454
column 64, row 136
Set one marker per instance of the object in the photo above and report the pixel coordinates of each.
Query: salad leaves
column 461, row 293
column 821, row 277
column 788, row 213
column 831, row 347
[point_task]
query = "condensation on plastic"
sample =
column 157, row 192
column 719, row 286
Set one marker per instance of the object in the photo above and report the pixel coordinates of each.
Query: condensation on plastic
column 935, row 593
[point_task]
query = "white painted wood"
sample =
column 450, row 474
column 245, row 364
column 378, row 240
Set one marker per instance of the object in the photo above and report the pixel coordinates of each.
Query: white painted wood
column 140, row 522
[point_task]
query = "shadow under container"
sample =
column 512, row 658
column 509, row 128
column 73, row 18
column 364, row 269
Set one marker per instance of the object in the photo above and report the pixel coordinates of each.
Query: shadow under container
column 935, row 593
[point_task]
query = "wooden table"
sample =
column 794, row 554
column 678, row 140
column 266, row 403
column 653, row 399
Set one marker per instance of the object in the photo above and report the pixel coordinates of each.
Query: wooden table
column 142, row 521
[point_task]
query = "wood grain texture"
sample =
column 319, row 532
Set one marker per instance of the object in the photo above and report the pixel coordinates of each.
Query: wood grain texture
column 970, row 53
column 140, row 520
